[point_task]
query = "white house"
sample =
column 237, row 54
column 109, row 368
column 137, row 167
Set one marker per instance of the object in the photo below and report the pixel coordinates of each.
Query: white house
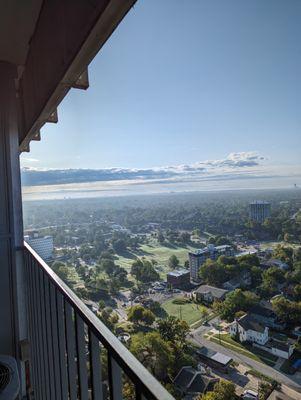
column 279, row 348
column 249, row 330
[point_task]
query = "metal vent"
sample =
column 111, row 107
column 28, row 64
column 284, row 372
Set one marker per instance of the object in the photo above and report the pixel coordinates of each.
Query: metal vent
column 5, row 376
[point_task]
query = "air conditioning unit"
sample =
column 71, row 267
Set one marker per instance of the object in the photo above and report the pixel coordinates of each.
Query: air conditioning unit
column 9, row 378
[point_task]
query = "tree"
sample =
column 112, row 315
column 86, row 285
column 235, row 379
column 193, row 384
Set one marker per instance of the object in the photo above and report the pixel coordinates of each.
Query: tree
column 61, row 270
column 271, row 278
column 213, row 273
column 108, row 317
column 107, row 265
column 238, row 300
column 154, row 353
column 173, row 261
column 173, row 330
column 160, row 237
column 138, row 314
column 144, row 271
column 119, row 245
column 223, row 390
column 287, row 311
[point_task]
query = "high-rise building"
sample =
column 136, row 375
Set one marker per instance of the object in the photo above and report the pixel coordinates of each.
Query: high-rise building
column 43, row 245
column 197, row 258
column 259, row 211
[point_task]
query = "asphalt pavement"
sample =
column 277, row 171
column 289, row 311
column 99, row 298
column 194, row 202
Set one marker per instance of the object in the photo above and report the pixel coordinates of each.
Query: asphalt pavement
column 197, row 337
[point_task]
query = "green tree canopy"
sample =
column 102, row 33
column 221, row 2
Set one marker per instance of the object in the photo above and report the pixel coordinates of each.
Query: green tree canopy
column 154, row 353
column 173, row 261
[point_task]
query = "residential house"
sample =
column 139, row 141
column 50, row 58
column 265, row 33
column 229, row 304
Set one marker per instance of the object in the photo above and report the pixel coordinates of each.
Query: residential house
column 275, row 262
column 279, row 348
column 208, row 294
column 249, row 330
column 191, row 381
column 264, row 314
column 214, row 359
column 241, row 280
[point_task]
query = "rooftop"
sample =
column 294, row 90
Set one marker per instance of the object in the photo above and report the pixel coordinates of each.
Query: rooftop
column 215, row 356
column 264, row 310
column 178, row 272
column 192, row 381
column 248, row 323
column 210, row 248
column 216, row 292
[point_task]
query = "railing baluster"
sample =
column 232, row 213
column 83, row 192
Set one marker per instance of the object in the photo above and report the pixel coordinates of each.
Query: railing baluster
column 44, row 310
column 115, row 378
column 55, row 344
column 62, row 345
column 71, row 352
column 81, row 357
column 48, row 335
column 32, row 343
column 95, row 367
column 38, row 331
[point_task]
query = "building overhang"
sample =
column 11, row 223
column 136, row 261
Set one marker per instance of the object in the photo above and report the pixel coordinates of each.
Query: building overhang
column 52, row 44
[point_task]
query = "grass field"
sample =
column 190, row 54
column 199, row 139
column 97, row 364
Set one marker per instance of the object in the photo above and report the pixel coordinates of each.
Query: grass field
column 189, row 312
column 256, row 354
column 153, row 250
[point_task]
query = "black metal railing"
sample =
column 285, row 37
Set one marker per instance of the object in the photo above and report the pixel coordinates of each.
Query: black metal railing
column 73, row 354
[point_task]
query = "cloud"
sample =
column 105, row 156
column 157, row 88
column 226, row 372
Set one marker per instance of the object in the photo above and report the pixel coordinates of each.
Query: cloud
column 30, row 160
column 245, row 162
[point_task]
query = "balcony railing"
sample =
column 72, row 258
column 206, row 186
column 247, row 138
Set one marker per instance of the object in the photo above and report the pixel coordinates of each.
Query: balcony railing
column 73, row 354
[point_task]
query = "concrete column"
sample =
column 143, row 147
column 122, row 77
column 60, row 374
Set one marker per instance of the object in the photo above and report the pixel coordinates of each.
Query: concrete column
column 12, row 288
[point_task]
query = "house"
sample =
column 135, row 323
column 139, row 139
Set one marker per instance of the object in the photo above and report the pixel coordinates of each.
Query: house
column 275, row 262
column 191, row 381
column 241, row 280
column 249, row 330
column 209, row 294
column 283, row 349
column 264, row 314
column 214, row 359
column 280, row 348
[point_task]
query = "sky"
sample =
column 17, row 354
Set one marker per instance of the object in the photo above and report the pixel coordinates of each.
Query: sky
column 183, row 82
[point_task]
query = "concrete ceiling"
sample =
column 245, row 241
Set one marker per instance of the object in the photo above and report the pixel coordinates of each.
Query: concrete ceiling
column 17, row 23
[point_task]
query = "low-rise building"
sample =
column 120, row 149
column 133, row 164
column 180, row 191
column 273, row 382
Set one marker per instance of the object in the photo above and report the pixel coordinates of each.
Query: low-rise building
column 208, row 294
column 275, row 262
column 249, row 330
column 214, row 359
column 193, row 382
column 179, row 278
column 197, row 258
column 264, row 314
column 242, row 280
column 279, row 348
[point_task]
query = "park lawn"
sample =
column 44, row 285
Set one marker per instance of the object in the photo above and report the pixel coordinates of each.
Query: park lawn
column 255, row 354
column 155, row 251
column 188, row 312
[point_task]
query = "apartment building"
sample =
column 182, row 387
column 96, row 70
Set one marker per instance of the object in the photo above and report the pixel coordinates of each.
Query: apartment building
column 197, row 258
column 259, row 211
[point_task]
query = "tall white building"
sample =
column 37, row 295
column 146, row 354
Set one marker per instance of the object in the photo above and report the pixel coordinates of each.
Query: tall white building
column 42, row 245
column 259, row 211
column 197, row 258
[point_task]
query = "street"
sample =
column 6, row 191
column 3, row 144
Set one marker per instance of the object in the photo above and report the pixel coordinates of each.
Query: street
column 258, row 366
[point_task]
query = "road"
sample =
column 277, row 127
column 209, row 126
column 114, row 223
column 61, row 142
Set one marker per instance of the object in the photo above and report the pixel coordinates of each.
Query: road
column 258, row 366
